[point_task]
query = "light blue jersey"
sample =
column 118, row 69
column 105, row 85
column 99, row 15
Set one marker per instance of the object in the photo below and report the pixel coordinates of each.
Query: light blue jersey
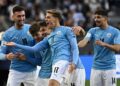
column 63, row 44
column 4, row 64
column 79, row 64
column 43, row 59
column 20, row 36
column 46, row 66
column 2, row 55
column 104, row 58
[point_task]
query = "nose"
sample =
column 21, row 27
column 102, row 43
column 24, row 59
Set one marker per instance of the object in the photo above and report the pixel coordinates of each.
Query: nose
column 22, row 18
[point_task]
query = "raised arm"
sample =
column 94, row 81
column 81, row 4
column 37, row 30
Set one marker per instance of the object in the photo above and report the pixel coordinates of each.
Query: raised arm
column 86, row 39
column 83, row 43
column 78, row 30
column 38, row 47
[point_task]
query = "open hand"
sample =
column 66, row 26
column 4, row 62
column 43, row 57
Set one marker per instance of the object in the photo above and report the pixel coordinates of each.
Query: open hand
column 9, row 44
column 78, row 30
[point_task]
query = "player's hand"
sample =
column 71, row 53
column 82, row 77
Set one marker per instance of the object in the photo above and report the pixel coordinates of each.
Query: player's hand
column 98, row 42
column 78, row 30
column 9, row 44
column 21, row 56
column 71, row 68
column 10, row 56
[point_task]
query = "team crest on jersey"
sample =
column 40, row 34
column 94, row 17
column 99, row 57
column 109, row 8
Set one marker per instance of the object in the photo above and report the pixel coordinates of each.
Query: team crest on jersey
column 58, row 33
column 109, row 35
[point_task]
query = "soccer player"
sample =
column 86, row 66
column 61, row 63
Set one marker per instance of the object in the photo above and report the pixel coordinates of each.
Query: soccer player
column 106, row 40
column 63, row 44
column 20, row 71
column 77, row 77
column 42, row 58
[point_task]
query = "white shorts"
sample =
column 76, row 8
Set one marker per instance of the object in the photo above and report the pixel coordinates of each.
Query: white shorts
column 41, row 82
column 58, row 70
column 15, row 78
column 76, row 78
column 103, row 77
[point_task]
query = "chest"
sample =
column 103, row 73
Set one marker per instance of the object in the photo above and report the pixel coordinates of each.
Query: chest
column 105, row 36
column 57, row 36
column 21, row 37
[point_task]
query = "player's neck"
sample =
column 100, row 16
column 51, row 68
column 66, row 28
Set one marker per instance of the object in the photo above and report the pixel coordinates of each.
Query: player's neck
column 57, row 24
column 18, row 26
column 105, row 26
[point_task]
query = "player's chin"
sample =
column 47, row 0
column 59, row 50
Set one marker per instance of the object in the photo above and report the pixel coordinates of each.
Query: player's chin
column 20, row 22
column 98, row 24
column 50, row 26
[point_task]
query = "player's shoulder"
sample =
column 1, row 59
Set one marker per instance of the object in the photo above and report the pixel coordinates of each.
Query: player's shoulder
column 66, row 27
column 9, row 30
column 94, row 28
column 113, row 29
column 26, row 26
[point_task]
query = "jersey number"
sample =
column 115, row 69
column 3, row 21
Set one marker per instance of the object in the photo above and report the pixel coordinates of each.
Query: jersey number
column 113, row 80
column 56, row 69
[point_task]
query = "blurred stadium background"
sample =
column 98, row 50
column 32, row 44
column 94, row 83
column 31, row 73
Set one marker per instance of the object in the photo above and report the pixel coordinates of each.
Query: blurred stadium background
column 75, row 12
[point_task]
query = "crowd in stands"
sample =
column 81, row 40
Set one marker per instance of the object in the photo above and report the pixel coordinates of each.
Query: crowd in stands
column 75, row 12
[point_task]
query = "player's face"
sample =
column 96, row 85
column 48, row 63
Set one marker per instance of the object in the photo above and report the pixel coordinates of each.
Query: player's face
column 43, row 31
column 50, row 20
column 37, row 37
column 19, row 17
column 99, row 20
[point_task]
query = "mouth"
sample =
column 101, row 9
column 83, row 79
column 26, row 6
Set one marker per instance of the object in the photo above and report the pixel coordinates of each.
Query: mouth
column 44, row 35
column 49, row 23
column 97, row 22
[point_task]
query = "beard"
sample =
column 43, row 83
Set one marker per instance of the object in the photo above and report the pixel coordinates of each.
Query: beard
column 19, row 24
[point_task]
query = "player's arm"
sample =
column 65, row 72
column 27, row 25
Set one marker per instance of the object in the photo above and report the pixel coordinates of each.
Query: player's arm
column 78, row 30
column 83, row 42
column 74, row 48
column 115, row 46
column 38, row 47
column 4, row 51
column 2, row 56
column 8, row 56
column 33, row 60
column 86, row 39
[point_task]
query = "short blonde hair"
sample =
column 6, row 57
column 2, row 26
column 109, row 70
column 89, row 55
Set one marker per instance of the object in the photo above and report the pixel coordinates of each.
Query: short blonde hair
column 56, row 13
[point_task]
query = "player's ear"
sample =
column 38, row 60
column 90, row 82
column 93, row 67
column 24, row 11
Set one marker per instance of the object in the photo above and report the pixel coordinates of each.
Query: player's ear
column 11, row 15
